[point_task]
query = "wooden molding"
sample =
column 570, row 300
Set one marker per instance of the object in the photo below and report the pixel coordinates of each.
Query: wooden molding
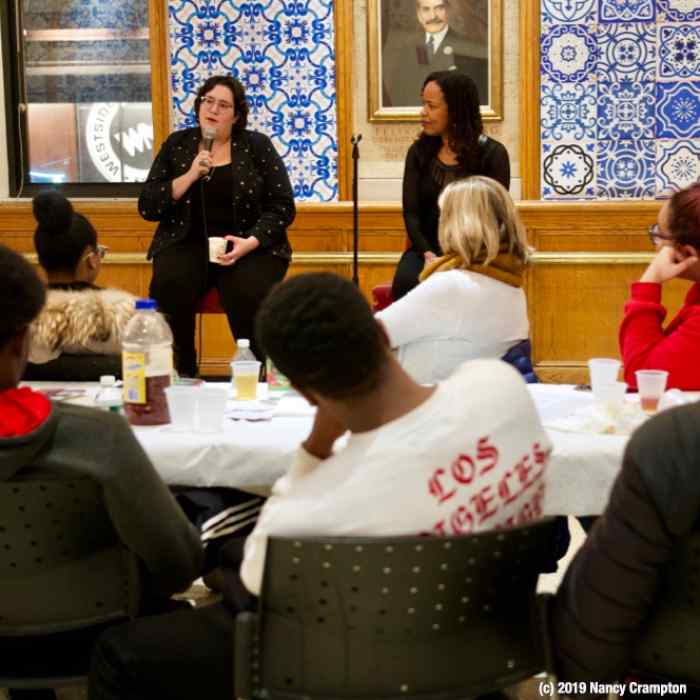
column 344, row 92
column 530, row 98
column 160, row 63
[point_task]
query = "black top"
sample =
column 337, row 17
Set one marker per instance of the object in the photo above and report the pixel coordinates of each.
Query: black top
column 72, row 286
column 424, row 179
column 261, row 199
column 211, row 203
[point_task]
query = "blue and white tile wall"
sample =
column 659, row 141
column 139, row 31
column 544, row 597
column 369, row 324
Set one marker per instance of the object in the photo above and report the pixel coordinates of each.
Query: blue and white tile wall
column 620, row 98
column 283, row 52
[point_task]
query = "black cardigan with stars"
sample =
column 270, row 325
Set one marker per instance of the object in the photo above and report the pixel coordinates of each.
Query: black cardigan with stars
column 262, row 203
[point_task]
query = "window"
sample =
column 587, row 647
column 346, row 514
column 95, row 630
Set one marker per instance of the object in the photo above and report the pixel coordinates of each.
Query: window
column 79, row 106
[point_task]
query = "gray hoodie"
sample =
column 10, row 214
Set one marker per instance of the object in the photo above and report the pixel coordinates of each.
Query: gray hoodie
column 86, row 442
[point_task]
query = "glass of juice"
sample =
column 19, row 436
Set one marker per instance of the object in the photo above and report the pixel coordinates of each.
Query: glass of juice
column 651, row 384
column 245, row 379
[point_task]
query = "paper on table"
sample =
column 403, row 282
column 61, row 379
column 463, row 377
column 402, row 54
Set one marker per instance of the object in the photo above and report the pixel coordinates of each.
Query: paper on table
column 294, row 406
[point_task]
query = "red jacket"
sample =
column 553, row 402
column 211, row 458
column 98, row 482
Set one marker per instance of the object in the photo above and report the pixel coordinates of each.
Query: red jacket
column 644, row 344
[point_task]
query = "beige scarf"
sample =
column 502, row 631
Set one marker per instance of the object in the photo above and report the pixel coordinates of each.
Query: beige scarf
column 505, row 267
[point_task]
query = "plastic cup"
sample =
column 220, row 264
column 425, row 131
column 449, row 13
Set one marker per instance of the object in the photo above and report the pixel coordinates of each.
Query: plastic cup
column 182, row 406
column 603, row 371
column 211, row 405
column 611, row 398
column 245, row 379
column 217, row 247
column 651, row 384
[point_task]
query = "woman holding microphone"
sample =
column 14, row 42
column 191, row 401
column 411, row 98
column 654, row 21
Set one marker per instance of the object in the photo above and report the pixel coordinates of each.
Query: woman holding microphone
column 218, row 180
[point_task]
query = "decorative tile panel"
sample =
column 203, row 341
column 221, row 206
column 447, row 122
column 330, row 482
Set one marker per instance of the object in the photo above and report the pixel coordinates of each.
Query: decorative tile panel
column 626, row 10
column 568, row 53
column 568, row 111
column 625, row 110
column 569, row 10
column 678, row 165
column 283, row 53
column 620, row 119
column 627, row 52
column 626, row 169
column 679, row 51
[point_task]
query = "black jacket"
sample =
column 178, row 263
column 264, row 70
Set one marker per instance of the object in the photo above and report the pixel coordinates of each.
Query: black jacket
column 611, row 586
column 262, row 200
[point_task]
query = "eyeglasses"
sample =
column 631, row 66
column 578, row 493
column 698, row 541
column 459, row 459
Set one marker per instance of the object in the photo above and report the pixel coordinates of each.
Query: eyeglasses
column 656, row 235
column 209, row 103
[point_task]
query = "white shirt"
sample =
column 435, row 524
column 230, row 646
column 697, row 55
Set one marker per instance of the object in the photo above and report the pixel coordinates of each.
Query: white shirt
column 471, row 457
column 454, row 316
column 436, row 37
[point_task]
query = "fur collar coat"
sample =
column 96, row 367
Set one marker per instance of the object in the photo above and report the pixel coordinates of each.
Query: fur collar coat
column 80, row 322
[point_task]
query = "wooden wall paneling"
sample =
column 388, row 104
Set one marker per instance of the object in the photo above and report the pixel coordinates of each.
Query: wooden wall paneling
column 160, row 73
column 530, row 98
column 344, row 92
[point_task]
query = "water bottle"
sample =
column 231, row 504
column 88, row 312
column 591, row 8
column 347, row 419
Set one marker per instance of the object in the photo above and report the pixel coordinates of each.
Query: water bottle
column 147, row 365
column 243, row 351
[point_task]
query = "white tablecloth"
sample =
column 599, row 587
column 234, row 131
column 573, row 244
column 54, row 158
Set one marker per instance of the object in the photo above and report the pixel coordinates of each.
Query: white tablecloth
column 252, row 455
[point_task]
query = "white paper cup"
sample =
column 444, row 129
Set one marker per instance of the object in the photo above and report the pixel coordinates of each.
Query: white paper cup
column 603, row 371
column 217, row 247
column 245, row 379
column 211, row 404
column 611, row 398
column 182, row 406
column 651, row 385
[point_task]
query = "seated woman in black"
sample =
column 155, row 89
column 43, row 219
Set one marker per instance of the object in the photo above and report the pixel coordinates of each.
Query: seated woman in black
column 235, row 187
column 451, row 146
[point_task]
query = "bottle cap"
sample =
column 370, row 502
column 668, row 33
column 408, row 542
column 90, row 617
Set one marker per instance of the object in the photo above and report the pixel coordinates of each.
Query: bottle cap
column 108, row 380
column 145, row 304
column 243, row 343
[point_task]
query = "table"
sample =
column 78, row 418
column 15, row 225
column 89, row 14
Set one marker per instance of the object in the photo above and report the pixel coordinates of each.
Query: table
column 252, row 455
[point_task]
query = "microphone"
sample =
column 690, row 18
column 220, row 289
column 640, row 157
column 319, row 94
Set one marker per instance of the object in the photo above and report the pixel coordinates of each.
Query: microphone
column 208, row 136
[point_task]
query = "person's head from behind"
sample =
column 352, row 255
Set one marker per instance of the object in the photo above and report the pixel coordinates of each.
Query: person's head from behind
column 65, row 241
column 678, row 226
column 450, row 110
column 22, row 296
column 478, row 220
column 433, row 15
column 320, row 332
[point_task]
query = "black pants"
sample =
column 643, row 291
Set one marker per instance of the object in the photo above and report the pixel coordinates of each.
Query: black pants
column 406, row 276
column 181, row 277
column 182, row 655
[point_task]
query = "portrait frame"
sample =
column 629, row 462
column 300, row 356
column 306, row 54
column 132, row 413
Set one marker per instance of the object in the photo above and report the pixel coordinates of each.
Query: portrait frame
column 381, row 52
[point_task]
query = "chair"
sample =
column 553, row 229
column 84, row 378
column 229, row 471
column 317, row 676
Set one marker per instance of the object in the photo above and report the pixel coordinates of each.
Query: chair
column 62, row 570
column 381, row 297
column 74, row 368
column 396, row 617
column 520, row 356
column 210, row 303
column 668, row 647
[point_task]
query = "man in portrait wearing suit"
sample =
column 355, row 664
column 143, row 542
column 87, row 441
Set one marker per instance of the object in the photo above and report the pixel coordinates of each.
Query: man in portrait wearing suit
column 434, row 46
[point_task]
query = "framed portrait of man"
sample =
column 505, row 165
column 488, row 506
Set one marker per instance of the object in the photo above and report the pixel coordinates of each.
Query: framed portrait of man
column 409, row 39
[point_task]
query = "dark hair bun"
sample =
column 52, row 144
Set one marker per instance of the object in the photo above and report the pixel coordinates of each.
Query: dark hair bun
column 53, row 212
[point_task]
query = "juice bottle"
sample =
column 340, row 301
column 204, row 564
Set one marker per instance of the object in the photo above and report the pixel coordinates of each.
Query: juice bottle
column 147, row 365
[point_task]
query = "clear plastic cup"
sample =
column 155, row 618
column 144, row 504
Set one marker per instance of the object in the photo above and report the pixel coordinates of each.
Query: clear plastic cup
column 651, row 384
column 182, row 406
column 603, row 371
column 211, row 405
column 245, row 379
column 611, row 398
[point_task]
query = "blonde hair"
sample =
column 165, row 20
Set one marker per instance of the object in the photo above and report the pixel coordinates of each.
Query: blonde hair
column 478, row 220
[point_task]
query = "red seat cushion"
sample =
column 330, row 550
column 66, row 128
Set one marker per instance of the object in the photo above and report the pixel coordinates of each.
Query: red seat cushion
column 210, row 303
column 381, row 297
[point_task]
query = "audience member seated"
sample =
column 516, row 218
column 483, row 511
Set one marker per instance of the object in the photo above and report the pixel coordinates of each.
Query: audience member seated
column 611, row 586
column 465, row 455
column 470, row 303
column 38, row 437
column 644, row 342
column 79, row 318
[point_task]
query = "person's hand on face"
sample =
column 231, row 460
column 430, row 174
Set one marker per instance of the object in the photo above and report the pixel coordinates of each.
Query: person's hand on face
column 429, row 256
column 670, row 261
column 241, row 247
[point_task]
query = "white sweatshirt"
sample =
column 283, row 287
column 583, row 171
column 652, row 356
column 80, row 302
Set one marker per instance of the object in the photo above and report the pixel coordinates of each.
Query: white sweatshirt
column 471, row 457
column 454, row 316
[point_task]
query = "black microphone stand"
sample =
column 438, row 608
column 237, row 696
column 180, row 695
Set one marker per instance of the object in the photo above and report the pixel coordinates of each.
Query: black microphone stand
column 355, row 140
